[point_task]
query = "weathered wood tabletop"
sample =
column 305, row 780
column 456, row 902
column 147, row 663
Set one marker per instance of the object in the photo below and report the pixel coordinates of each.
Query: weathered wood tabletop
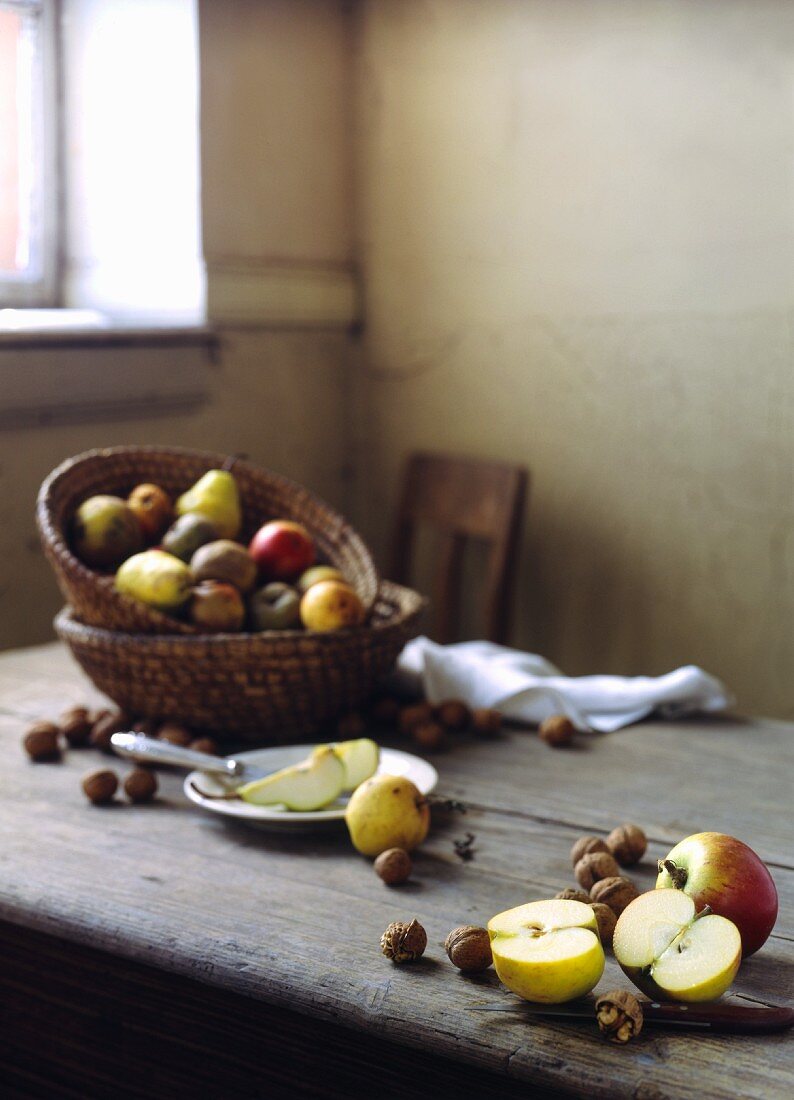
column 295, row 921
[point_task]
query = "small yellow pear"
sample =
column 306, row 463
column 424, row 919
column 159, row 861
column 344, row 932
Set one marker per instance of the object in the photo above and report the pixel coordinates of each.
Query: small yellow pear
column 155, row 578
column 387, row 811
column 216, row 497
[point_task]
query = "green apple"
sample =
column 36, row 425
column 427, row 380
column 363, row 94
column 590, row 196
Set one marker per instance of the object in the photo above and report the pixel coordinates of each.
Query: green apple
column 672, row 952
column 274, row 607
column 360, row 759
column 306, row 786
column 387, row 811
column 547, row 951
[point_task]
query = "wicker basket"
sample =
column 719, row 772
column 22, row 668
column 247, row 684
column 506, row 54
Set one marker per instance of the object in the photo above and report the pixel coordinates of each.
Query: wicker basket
column 275, row 686
column 117, row 470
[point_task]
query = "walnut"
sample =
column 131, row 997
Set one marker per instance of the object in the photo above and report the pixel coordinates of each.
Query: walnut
column 414, row 716
column 99, row 787
column 110, row 722
column 585, row 845
column 627, row 844
column 619, row 1015
column 147, row 726
column 428, row 736
column 351, row 726
column 486, row 722
column 453, row 715
column 140, row 785
column 570, row 894
column 76, row 726
column 606, row 920
column 616, row 892
column 404, row 942
column 175, row 734
column 469, row 948
column 394, row 866
column 41, row 742
column 594, row 866
column 204, row 744
column 557, row 731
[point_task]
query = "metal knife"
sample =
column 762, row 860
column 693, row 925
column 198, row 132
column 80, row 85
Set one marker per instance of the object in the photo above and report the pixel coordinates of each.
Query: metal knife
column 726, row 1018
column 150, row 751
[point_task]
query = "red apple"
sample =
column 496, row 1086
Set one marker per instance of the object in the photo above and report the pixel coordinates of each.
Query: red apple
column 282, row 550
column 723, row 873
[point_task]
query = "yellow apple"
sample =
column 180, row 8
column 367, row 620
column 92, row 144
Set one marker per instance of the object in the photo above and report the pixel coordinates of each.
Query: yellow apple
column 387, row 811
column 316, row 574
column 331, row 605
column 547, row 951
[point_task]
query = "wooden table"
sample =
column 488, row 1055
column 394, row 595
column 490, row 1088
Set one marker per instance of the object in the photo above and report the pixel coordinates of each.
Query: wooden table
column 153, row 950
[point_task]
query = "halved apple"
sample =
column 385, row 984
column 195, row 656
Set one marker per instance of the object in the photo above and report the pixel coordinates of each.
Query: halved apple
column 360, row 759
column 671, row 952
column 547, row 951
column 309, row 785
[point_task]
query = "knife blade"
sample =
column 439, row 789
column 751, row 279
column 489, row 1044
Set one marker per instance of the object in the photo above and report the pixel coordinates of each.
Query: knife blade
column 724, row 1018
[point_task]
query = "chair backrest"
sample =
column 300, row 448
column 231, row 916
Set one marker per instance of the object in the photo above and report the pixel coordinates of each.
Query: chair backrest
column 462, row 498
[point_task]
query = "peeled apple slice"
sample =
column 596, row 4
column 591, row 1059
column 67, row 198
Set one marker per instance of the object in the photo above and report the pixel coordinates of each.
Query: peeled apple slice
column 360, row 759
column 306, row 786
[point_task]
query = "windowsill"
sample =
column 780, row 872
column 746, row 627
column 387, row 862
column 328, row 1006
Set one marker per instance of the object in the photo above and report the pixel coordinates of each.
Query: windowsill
column 85, row 373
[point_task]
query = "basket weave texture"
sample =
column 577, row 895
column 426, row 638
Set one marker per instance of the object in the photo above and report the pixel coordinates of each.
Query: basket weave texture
column 275, row 686
column 117, row 470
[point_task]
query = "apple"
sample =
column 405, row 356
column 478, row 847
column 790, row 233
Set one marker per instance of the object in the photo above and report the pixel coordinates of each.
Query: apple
column 672, row 951
column 306, row 786
column 723, row 873
column 282, row 550
column 318, row 573
column 274, row 607
column 547, row 951
column 331, row 605
column 387, row 811
column 153, row 509
column 217, row 607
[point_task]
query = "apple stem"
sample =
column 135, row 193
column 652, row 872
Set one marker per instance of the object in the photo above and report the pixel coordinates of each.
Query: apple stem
column 704, row 912
column 677, row 874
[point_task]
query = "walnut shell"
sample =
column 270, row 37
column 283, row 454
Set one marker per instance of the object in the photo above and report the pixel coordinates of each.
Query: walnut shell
column 140, row 785
column 174, row 733
column 100, row 787
column 453, row 715
column 619, row 1015
column 429, row 736
column 486, row 722
column 557, row 731
column 404, row 942
column 469, row 948
column 570, row 894
column 41, row 742
column 585, row 845
column 394, row 866
column 627, row 844
column 414, row 716
column 616, row 892
column 110, row 722
column 594, row 866
column 606, row 920
column 76, row 726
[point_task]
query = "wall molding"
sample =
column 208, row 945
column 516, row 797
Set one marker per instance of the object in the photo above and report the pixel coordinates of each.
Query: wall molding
column 266, row 293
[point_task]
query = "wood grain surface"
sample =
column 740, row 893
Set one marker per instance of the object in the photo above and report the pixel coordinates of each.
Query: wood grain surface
column 294, row 921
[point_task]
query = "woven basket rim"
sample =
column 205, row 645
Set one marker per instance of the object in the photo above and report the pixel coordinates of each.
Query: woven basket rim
column 410, row 603
column 54, row 534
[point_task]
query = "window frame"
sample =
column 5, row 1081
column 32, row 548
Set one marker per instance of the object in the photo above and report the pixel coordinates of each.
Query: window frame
column 43, row 287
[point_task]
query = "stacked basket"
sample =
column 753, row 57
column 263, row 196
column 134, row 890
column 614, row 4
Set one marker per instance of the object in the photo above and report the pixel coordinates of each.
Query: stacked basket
column 271, row 686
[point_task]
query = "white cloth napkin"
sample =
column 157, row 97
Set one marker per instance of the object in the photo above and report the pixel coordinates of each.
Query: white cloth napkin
column 528, row 688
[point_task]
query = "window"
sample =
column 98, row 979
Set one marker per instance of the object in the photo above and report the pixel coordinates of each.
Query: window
column 27, row 153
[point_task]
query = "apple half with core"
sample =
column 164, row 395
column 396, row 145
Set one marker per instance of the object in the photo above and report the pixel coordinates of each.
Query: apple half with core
column 673, row 952
column 547, row 951
column 721, row 872
column 306, row 786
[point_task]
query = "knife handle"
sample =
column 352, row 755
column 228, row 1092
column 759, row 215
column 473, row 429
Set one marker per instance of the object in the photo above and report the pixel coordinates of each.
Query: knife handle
column 730, row 1018
column 149, row 751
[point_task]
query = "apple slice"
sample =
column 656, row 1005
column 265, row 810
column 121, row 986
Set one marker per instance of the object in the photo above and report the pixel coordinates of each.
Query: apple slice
column 309, row 785
column 547, row 951
column 671, row 952
column 360, row 759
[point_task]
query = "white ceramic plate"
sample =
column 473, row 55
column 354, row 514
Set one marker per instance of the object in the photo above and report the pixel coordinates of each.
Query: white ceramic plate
column 392, row 762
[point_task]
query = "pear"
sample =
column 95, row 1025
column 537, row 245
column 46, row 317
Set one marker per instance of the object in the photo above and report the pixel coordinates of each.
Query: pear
column 216, row 497
column 157, row 579
column 387, row 811
column 187, row 534
column 105, row 531
column 306, row 786
column 360, row 758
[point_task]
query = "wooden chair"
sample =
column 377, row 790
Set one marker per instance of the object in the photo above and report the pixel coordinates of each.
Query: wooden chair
column 463, row 498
